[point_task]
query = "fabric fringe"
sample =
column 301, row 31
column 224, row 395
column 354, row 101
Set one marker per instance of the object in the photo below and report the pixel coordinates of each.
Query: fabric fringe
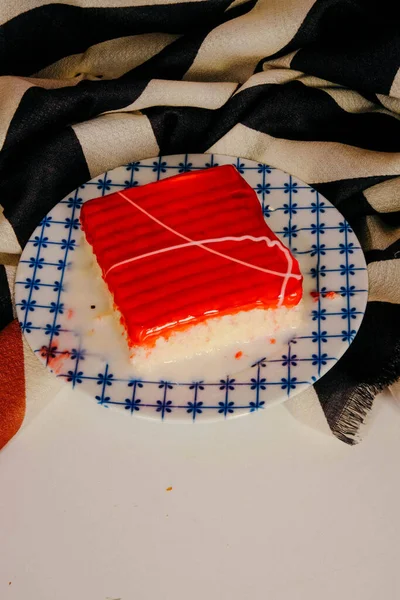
column 346, row 426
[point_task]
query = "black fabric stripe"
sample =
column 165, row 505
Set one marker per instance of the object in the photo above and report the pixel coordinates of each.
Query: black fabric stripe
column 296, row 112
column 352, row 208
column 43, row 35
column 392, row 218
column 176, row 59
column 42, row 111
column 338, row 191
column 322, row 15
column 6, row 313
column 44, row 173
column 292, row 111
column 352, row 42
column 348, row 198
column 390, row 253
column 371, row 97
column 367, row 57
column 180, row 129
column 370, row 364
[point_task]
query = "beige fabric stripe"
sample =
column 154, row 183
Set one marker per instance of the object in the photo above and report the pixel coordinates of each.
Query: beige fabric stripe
column 11, row 271
column 314, row 162
column 110, row 59
column 390, row 102
column 283, row 62
column 235, row 3
column 271, row 75
column 306, row 408
column 51, row 84
column 353, row 102
column 384, row 281
column 9, row 10
column 8, row 239
column 11, row 91
column 115, row 139
column 270, row 25
column 182, row 93
column 347, row 99
column 277, row 74
column 350, row 101
column 395, row 88
column 376, row 234
column 384, row 197
column 395, row 390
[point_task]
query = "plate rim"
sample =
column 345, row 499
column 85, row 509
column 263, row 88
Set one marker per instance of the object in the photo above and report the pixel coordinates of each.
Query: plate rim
column 178, row 414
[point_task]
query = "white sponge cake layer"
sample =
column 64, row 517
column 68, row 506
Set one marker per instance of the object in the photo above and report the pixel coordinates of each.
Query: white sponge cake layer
column 235, row 337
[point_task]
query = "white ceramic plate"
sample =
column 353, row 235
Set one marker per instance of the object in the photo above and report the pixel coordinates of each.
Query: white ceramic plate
column 330, row 258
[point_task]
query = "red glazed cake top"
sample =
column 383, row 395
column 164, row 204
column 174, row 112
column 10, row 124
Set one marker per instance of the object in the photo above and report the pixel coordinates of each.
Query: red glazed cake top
column 181, row 250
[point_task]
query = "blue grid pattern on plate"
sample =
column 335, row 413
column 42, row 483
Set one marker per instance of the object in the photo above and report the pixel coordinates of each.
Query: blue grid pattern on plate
column 317, row 234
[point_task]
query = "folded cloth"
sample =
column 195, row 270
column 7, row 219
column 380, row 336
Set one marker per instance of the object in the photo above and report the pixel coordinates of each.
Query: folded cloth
column 309, row 86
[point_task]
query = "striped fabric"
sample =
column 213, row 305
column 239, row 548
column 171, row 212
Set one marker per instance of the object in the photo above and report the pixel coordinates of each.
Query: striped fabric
column 309, row 86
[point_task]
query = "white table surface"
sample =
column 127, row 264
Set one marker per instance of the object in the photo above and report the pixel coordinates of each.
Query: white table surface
column 261, row 508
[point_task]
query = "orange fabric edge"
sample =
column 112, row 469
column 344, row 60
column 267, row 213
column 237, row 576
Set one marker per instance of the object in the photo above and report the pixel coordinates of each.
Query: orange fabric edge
column 12, row 382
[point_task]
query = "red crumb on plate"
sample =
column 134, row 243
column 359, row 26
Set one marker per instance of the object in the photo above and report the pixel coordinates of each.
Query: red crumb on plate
column 70, row 313
column 238, row 355
column 272, row 341
column 315, row 295
column 57, row 362
column 55, row 359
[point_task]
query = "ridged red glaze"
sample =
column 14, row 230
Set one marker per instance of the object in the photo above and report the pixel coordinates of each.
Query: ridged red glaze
column 173, row 290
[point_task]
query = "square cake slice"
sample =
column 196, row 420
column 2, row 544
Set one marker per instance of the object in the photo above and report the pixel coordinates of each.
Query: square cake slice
column 186, row 251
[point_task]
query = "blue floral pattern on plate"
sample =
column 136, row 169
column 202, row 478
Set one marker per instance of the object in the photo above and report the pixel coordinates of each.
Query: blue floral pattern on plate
column 331, row 261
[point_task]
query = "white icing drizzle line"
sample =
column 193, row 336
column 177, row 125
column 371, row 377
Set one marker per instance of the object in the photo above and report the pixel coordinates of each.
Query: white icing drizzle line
column 200, row 243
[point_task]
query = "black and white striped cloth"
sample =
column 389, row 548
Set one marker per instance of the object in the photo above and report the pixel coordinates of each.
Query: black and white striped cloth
column 309, row 86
